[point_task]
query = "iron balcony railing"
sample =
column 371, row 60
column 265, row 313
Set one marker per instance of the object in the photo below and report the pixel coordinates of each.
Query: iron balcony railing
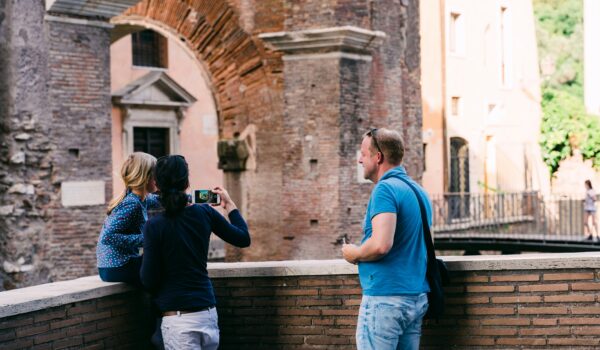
column 518, row 213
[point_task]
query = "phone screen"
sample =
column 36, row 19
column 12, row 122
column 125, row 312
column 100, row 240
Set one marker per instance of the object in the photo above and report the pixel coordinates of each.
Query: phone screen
column 206, row 196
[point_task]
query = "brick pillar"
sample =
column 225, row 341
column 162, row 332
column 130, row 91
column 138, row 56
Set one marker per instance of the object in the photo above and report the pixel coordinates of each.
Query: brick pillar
column 81, row 134
column 80, row 105
column 340, row 79
column 326, row 90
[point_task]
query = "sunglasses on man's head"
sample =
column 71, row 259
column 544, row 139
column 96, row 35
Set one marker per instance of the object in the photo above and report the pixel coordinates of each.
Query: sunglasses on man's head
column 372, row 133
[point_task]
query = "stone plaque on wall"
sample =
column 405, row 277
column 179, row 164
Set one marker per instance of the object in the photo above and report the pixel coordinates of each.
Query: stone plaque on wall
column 82, row 193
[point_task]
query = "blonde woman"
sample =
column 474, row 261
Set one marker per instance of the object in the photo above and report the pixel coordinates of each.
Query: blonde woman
column 121, row 237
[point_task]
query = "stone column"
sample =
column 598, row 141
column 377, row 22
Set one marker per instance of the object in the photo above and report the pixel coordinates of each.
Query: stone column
column 25, row 190
column 326, row 91
column 55, row 159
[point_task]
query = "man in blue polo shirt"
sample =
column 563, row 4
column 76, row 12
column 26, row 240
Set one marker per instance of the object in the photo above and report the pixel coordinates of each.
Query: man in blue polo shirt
column 392, row 257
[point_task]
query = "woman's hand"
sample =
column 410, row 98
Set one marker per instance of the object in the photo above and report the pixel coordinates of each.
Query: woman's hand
column 226, row 201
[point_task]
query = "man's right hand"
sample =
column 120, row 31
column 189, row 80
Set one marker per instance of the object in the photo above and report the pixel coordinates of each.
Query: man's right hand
column 351, row 253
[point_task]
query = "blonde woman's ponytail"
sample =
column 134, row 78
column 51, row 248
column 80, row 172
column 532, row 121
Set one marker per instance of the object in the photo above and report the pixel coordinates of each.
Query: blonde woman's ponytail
column 136, row 172
column 115, row 201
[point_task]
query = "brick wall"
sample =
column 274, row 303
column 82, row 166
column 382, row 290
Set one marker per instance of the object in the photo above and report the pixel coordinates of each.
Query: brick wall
column 329, row 103
column 80, row 135
column 517, row 309
column 55, row 105
column 508, row 309
column 548, row 302
column 104, row 323
column 309, row 115
column 247, row 83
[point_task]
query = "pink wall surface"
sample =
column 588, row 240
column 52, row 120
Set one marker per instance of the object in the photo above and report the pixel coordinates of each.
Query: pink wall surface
column 499, row 141
column 199, row 127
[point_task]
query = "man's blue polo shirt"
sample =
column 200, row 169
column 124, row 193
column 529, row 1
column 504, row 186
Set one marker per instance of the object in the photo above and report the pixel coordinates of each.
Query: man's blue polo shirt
column 402, row 270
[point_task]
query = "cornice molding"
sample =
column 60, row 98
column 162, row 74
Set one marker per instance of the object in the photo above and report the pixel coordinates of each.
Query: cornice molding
column 347, row 39
column 89, row 8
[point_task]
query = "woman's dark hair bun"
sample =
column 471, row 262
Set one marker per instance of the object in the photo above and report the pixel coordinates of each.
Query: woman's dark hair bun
column 172, row 179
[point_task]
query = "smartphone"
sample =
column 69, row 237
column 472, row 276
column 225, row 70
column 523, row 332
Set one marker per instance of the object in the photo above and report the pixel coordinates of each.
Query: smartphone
column 206, row 196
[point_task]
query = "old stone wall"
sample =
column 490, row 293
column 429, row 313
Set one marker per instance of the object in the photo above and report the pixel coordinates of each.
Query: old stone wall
column 25, row 165
column 55, row 101
column 306, row 118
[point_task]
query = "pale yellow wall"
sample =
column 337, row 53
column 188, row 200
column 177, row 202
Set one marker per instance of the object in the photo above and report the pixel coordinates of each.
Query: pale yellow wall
column 474, row 75
column 199, row 129
column 432, row 94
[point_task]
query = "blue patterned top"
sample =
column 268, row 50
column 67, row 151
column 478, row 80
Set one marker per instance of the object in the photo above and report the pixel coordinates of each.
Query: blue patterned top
column 121, row 235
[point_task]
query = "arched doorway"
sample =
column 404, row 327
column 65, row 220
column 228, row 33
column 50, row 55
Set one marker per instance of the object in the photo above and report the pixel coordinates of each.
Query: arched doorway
column 459, row 188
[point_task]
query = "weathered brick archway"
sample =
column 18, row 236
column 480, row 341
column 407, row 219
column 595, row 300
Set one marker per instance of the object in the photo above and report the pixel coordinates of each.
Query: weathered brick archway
column 237, row 64
column 246, row 81
column 307, row 78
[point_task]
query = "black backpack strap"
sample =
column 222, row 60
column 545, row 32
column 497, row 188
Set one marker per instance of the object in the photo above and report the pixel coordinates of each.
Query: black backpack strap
column 426, row 230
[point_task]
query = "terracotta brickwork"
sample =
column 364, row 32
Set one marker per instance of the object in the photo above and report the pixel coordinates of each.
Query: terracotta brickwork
column 519, row 309
column 247, row 83
column 104, row 323
column 81, row 136
column 510, row 309
column 503, row 308
column 308, row 116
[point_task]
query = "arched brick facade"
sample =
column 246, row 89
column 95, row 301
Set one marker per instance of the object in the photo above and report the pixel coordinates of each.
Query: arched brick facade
column 247, row 83
column 306, row 118
column 242, row 73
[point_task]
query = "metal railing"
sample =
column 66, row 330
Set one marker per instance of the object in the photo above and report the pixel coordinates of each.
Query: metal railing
column 510, row 213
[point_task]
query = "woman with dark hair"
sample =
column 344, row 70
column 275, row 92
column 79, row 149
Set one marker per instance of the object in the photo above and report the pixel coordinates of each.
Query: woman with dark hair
column 589, row 208
column 175, row 257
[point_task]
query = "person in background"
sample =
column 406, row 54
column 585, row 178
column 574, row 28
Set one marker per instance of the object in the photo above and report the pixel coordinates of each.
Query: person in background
column 176, row 244
column 589, row 208
column 117, row 252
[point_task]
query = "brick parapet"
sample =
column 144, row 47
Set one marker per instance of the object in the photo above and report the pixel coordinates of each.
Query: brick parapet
column 543, row 301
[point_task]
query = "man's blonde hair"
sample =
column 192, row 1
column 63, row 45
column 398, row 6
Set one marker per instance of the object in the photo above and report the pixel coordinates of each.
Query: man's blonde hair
column 389, row 143
column 136, row 172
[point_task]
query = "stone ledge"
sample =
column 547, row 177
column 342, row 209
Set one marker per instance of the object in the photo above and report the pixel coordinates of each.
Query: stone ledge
column 455, row 263
column 24, row 300
column 282, row 268
column 44, row 296
column 335, row 39
column 541, row 261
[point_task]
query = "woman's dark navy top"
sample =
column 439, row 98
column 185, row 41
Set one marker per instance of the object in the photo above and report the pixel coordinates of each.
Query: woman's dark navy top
column 176, row 251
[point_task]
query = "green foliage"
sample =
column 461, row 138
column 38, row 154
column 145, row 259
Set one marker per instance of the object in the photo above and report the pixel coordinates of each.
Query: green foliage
column 565, row 124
